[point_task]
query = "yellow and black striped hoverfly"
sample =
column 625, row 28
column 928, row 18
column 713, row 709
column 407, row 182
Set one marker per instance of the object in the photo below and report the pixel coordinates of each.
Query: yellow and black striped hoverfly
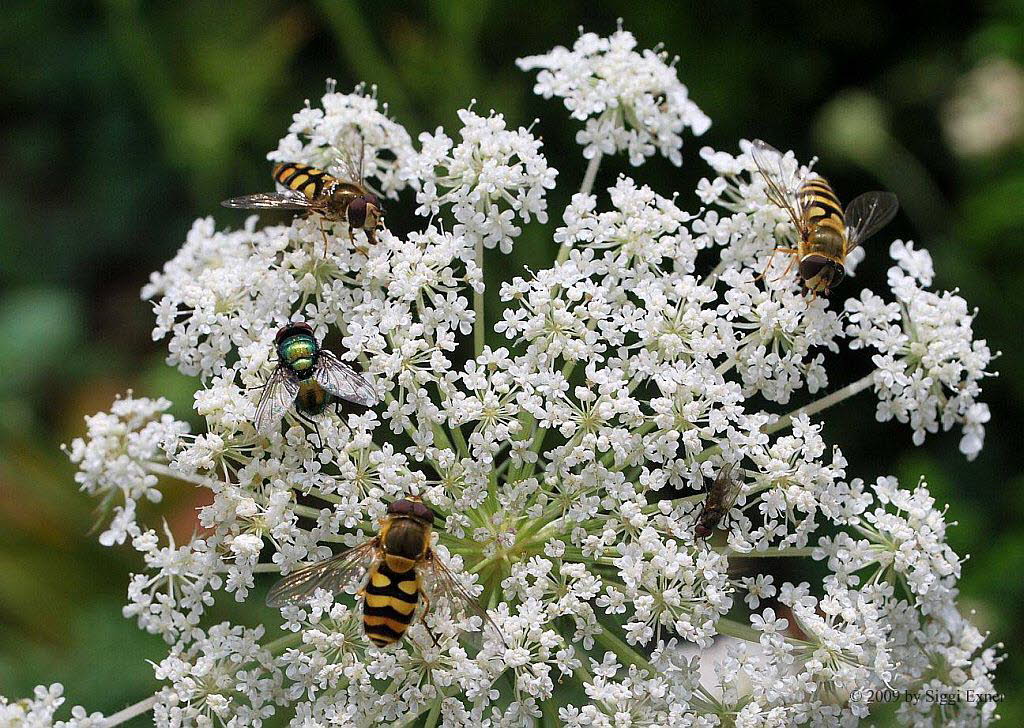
column 826, row 233
column 399, row 568
column 332, row 198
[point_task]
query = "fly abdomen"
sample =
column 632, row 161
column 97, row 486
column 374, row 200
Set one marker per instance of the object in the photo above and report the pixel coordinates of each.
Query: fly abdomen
column 820, row 205
column 312, row 399
column 389, row 601
column 303, row 178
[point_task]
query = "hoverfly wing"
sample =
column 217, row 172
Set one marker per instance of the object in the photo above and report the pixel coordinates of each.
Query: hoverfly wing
column 867, row 214
column 442, row 582
column 278, row 395
column 289, row 200
column 332, row 575
column 781, row 185
column 349, row 156
column 343, row 381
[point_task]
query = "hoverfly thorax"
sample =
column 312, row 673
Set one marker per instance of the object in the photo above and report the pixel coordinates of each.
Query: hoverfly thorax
column 407, row 529
column 826, row 242
column 297, row 348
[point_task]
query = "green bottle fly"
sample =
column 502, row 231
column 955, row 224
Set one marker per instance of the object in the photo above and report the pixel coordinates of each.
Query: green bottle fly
column 308, row 379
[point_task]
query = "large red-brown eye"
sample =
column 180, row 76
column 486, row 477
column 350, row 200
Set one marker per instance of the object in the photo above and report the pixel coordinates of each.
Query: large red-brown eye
column 401, row 507
column 357, row 212
column 421, row 510
column 812, row 265
column 296, row 327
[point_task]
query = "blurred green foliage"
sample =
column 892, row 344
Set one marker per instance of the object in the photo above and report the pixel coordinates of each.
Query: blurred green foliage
column 124, row 120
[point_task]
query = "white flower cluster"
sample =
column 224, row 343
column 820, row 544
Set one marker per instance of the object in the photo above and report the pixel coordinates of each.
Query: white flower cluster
column 39, row 711
column 568, row 466
column 490, row 178
column 930, row 367
column 349, row 136
column 632, row 102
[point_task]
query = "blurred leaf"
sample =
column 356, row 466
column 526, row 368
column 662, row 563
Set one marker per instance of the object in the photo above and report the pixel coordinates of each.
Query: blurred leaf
column 36, row 326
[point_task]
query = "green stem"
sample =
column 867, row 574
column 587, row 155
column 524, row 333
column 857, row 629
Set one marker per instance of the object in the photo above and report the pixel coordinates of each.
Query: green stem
column 460, row 440
column 479, row 323
column 623, row 651
column 132, row 711
column 585, row 188
column 434, row 715
column 731, row 628
column 278, row 646
column 549, row 713
column 767, row 554
column 821, row 404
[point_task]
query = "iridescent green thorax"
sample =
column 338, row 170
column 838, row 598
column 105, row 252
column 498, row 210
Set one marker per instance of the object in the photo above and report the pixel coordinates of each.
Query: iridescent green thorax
column 298, row 353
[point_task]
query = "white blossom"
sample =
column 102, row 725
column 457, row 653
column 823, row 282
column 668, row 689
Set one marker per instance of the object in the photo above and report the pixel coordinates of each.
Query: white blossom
column 568, row 453
column 631, row 101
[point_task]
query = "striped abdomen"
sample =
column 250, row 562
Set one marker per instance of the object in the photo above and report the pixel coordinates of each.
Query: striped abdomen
column 389, row 599
column 820, row 206
column 303, row 178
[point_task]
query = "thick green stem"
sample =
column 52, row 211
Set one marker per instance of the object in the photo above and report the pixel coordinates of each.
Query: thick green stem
column 434, row 715
column 731, row 628
column 767, row 554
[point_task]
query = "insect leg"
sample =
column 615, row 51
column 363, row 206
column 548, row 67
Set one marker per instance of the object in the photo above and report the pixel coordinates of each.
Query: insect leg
column 423, row 617
column 316, row 429
column 323, row 232
column 788, row 267
column 768, row 265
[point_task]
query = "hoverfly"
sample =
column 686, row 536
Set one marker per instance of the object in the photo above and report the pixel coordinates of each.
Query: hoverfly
column 825, row 233
column 393, row 564
column 313, row 190
column 308, row 378
column 716, row 505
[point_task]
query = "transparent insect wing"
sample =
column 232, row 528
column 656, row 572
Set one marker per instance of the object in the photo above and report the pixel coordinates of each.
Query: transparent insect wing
column 289, row 200
column 332, row 575
column 278, row 395
column 442, row 583
column 780, row 179
column 728, row 486
column 867, row 214
column 349, row 154
column 342, row 381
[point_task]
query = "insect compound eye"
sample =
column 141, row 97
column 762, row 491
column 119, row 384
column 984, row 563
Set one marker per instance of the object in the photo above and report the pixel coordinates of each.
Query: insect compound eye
column 401, row 507
column 423, row 511
column 838, row 274
column 812, row 265
column 357, row 212
column 295, row 327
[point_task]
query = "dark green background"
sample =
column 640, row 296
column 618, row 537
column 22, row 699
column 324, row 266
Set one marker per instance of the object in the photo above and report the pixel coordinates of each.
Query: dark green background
column 122, row 121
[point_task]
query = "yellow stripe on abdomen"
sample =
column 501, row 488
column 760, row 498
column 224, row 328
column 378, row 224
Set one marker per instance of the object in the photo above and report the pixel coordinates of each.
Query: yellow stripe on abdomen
column 820, row 206
column 303, row 178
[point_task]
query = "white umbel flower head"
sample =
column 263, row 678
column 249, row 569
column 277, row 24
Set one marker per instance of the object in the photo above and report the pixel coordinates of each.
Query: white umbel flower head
column 636, row 386
column 631, row 101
